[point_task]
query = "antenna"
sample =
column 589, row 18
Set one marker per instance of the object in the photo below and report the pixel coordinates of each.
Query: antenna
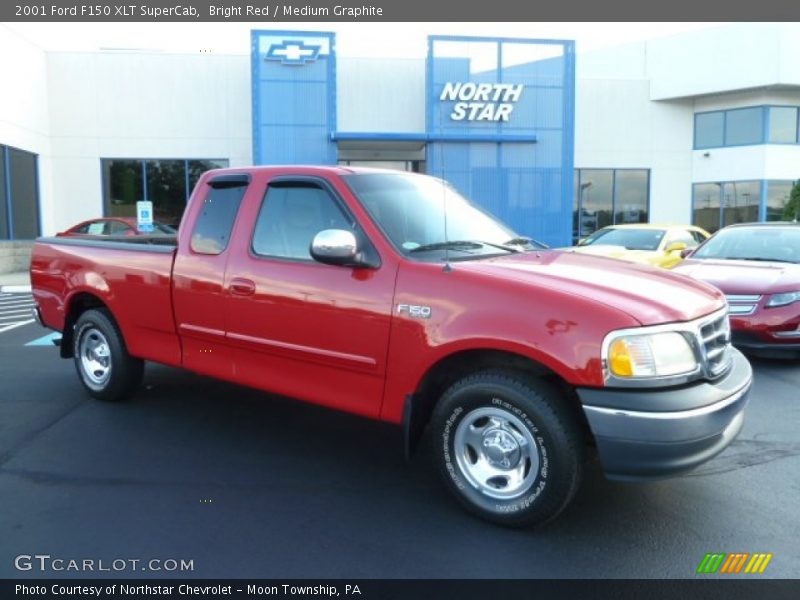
column 447, row 267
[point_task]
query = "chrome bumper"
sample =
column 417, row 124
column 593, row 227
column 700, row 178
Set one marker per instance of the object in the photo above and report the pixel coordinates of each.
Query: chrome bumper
column 637, row 444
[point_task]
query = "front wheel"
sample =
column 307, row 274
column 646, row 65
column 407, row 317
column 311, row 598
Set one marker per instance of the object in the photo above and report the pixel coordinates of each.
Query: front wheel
column 508, row 448
column 104, row 366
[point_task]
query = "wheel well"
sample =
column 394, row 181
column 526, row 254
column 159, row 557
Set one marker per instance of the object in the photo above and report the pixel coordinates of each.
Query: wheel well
column 78, row 305
column 420, row 404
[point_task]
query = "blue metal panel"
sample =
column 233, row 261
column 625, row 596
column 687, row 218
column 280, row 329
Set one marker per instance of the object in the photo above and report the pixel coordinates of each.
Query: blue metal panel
column 294, row 97
column 527, row 185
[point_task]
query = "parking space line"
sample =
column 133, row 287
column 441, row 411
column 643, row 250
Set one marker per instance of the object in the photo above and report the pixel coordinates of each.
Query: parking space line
column 15, row 325
column 15, row 310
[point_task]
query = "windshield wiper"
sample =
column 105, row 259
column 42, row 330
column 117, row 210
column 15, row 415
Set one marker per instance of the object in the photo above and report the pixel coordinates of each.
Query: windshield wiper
column 462, row 245
column 759, row 258
column 451, row 245
column 519, row 241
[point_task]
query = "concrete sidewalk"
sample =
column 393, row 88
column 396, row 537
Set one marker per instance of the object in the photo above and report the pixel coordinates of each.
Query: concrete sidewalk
column 15, row 282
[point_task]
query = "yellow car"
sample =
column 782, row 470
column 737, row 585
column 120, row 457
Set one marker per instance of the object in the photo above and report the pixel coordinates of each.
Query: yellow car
column 656, row 245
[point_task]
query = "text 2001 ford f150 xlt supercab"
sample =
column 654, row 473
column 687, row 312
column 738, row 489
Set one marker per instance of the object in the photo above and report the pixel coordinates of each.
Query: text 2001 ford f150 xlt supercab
column 339, row 286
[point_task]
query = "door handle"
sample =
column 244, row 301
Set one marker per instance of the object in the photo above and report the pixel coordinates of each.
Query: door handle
column 240, row 286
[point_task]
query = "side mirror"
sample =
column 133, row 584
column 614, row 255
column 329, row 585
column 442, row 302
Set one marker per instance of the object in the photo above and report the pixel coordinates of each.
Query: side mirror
column 581, row 242
column 338, row 247
column 676, row 247
column 687, row 252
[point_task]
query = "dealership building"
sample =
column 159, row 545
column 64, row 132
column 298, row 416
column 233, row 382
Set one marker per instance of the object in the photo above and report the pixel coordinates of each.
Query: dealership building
column 699, row 127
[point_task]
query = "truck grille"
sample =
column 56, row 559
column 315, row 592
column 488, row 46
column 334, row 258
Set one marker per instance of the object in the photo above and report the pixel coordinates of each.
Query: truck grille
column 715, row 344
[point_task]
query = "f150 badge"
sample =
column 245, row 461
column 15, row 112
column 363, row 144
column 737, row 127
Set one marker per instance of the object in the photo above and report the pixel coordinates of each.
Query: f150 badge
column 415, row 311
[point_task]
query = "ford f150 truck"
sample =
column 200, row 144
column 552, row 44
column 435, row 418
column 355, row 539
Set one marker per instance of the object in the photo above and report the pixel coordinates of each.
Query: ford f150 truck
column 389, row 295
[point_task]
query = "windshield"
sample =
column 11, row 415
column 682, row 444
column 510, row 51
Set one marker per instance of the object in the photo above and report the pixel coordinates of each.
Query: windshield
column 410, row 209
column 632, row 239
column 779, row 244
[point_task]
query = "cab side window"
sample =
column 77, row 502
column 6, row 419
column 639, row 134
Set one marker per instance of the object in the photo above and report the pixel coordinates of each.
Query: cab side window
column 215, row 220
column 291, row 215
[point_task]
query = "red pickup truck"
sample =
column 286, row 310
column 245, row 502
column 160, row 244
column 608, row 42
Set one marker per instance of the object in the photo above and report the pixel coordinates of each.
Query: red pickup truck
column 389, row 295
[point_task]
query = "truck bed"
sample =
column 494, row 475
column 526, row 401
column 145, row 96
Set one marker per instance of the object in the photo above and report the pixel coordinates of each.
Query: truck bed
column 132, row 276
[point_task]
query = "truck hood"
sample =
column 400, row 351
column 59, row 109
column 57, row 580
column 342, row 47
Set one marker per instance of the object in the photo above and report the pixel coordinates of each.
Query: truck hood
column 744, row 276
column 649, row 295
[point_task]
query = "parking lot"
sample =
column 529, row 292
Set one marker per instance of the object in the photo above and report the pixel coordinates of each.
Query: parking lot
column 248, row 485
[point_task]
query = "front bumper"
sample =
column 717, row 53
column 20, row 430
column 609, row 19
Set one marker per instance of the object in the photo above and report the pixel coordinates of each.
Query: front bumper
column 778, row 345
column 767, row 331
column 650, row 433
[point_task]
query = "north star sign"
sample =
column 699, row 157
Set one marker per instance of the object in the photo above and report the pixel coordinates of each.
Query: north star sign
column 481, row 101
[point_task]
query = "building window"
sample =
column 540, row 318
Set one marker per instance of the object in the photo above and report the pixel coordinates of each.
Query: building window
column 718, row 204
column 608, row 197
column 778, row 193
column 709, row 130
column 19, row 194
column 783, row 124
column 167, row 183
column 746, row 126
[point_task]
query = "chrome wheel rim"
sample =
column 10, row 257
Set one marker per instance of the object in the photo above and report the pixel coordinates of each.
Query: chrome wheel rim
column 95, row 357
column 496, row 453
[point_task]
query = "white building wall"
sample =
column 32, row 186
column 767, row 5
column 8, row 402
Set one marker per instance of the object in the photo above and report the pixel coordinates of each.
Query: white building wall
column 765, row 161
column 749, row 98
column 635, row 108
column 140, row 105
column 617, row 126
column 24, row 118
column 734, row 57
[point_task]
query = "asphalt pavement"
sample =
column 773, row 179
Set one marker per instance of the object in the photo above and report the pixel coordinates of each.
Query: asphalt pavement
column 243, row 484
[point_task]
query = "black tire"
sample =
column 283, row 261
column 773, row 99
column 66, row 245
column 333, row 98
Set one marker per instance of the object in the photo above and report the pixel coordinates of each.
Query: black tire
column 484, row 425
column 101, row 358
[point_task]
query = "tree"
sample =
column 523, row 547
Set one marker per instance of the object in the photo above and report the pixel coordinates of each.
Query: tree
column 791, row 212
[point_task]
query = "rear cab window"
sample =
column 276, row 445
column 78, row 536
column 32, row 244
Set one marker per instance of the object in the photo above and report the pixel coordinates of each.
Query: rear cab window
column 212, row 229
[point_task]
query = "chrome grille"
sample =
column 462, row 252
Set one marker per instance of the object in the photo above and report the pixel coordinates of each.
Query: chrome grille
column 715, row 344
column 742, row 304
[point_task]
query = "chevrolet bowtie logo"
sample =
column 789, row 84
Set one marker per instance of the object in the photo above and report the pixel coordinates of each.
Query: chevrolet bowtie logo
column 293, row 52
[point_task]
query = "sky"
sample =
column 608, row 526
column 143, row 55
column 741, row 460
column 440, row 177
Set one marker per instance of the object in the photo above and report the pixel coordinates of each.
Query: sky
column 399, row 40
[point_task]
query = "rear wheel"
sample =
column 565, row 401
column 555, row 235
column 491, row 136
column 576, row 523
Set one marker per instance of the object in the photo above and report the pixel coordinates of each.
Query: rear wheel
column 104, row 366
column 507, row 447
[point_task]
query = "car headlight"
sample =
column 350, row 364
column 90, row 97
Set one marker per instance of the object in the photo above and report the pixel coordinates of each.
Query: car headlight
column 783, row 299
column 662, row 354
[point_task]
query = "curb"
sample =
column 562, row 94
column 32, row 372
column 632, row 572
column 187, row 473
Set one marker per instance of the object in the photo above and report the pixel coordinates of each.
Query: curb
column 15, row 289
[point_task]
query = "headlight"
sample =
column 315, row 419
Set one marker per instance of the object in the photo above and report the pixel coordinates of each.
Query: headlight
column 783, row 299
column 650, row 355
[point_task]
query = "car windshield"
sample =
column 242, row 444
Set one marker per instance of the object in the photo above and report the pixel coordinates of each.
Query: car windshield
column 769, row 243
column 630, row 238
column 413, row 210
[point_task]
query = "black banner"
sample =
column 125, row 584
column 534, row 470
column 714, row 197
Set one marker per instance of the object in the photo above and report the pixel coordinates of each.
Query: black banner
column 708, row 589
